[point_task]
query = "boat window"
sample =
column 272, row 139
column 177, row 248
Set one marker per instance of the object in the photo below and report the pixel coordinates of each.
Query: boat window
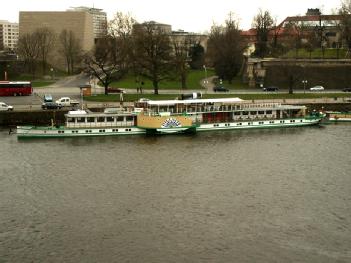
column 260, row 112
column 237, row 113
column 120, row 118
column 253, row 113
column 268, row 112
column 81, row 119
column 90, row 119
column 70, row 119
column 129, row 118
column 245, row 113
column 111, row 119
column 100, row 119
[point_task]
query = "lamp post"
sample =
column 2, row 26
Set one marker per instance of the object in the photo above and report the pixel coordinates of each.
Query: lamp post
column 52, row 73
column 304, row 82
column 205, row 81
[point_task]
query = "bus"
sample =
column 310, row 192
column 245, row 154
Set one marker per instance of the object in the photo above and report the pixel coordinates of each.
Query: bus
column 15, row 88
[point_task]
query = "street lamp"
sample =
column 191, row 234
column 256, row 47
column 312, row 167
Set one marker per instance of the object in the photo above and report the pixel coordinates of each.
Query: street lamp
column 52, row 73
column 304, row 82
column 205, row 81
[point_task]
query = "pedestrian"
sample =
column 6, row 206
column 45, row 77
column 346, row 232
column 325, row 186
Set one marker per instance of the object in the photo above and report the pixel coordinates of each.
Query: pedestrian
column 121, row 98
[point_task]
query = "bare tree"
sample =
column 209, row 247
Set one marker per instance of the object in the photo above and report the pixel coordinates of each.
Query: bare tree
column 345, row 23
column 28, row 49
column 225, row 49
column 152, row 52
column 110, row 59
column 181, row 49
column 263, row 23
column 299, row 30
column 46, row 38
column 71, row 48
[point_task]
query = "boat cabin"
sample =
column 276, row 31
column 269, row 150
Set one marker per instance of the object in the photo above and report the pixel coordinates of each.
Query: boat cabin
column 224, row 109
column 91, row 120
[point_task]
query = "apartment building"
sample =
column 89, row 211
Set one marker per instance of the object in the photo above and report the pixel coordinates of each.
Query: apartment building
column 8, row 35
column 99, row 19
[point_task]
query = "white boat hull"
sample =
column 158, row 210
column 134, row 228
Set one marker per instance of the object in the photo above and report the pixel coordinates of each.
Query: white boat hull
column 258, row 124
column 41, row 132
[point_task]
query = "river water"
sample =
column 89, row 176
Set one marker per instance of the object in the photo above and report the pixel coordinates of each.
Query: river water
column 275, row 195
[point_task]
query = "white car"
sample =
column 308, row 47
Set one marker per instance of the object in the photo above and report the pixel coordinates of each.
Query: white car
column 5, row 107
column 317, row 88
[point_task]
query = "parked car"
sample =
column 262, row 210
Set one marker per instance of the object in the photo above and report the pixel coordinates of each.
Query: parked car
column 115, row 90
column 67, row 102
column 220, row 89
column 47, row 98
column 50, row 105
column 5, row 107
column 270, row 88
column 317, row 88
column 347, row 89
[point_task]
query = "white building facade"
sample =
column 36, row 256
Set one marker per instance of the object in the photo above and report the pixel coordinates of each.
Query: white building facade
column 8, row 35
column 99, row 19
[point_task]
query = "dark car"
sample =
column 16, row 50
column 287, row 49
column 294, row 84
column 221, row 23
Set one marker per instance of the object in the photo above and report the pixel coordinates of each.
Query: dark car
column 347, row 89
column 220, row 89
column 50, row 105
column 271, row 88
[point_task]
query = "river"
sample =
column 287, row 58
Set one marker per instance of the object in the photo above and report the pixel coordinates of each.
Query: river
column 274, row 195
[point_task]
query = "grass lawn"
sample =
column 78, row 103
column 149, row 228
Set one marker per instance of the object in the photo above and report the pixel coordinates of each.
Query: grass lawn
column 193, row 81
column 317, row 53
column 41, row 84
column 135, row 97
column 236, row 84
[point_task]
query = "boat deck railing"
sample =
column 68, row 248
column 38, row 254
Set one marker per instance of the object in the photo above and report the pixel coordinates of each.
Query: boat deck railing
column 191, row 109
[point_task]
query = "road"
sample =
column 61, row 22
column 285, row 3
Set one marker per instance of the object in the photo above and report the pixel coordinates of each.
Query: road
column 69, row 86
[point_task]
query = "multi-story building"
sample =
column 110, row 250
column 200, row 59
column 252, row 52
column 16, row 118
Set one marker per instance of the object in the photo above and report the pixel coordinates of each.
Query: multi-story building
column 325, row 28
column 179, row 35
column 99, row 19
column 8, row 35
column 79, row 23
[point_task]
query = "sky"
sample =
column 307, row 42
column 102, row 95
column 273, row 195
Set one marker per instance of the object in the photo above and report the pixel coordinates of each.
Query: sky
column 189, row 15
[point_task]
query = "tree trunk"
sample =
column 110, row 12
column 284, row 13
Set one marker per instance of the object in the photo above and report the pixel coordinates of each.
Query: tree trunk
column 291, row 84
column 155, row 84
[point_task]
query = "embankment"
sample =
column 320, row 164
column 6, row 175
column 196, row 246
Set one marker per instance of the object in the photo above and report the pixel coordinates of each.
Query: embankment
column 58, row 117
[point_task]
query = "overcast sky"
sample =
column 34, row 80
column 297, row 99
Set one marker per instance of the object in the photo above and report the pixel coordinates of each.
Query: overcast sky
column 189, row 15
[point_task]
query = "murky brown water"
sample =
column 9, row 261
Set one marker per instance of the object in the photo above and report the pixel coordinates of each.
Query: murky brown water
column 280, row 195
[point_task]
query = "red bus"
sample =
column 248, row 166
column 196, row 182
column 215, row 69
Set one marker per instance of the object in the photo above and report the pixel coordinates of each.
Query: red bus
column 15, row 88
